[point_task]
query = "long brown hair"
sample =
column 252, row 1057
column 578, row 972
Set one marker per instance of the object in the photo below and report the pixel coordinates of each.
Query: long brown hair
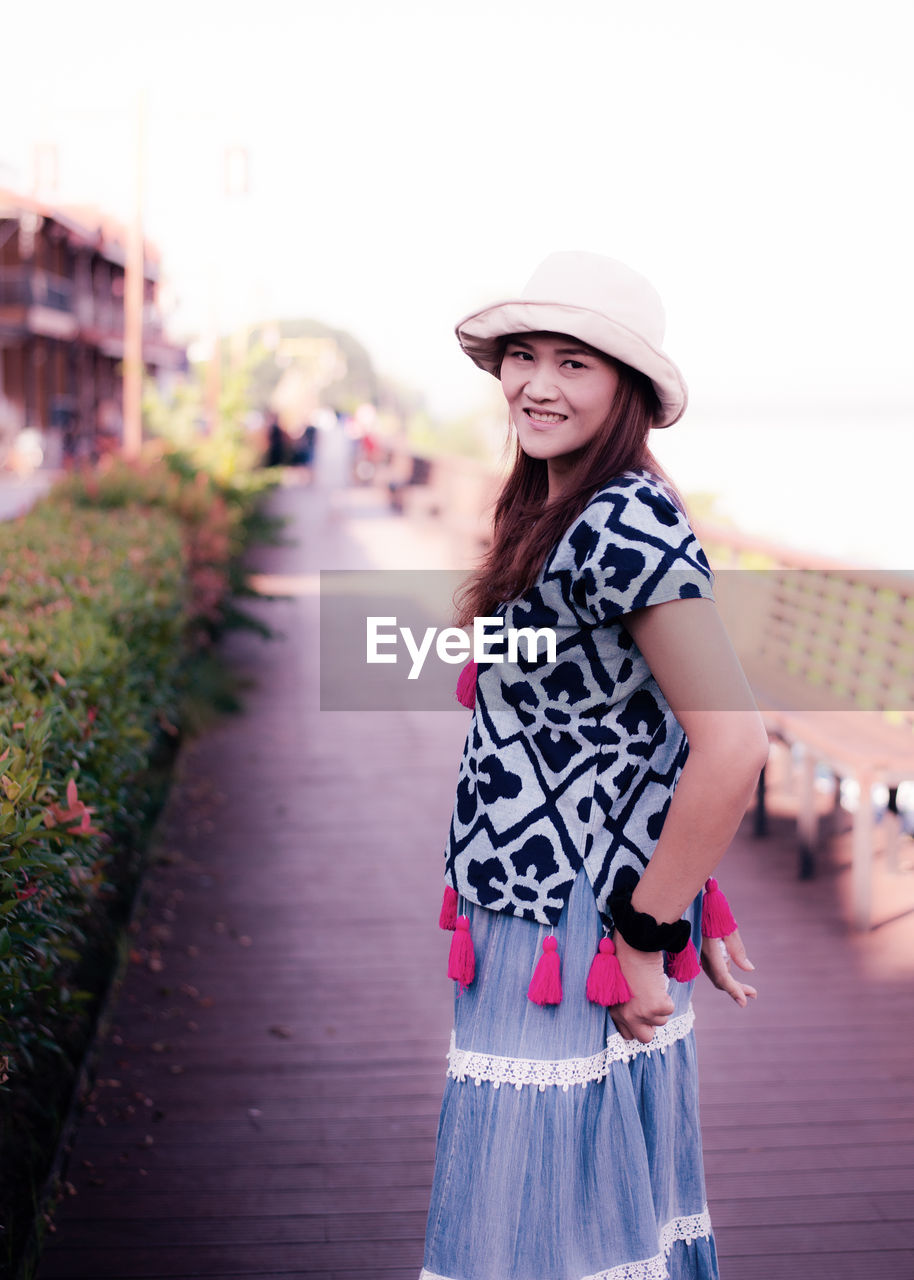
column 525, row 527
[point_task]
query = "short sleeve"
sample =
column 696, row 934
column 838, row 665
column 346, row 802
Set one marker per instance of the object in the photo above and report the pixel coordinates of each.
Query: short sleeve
column 633, row 547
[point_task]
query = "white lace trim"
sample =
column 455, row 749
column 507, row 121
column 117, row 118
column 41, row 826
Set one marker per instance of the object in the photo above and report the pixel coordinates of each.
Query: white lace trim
column 694, row 1227
column 464, row 1064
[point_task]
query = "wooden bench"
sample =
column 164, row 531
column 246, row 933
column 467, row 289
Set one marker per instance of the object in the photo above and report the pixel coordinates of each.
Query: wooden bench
column 829, row 653
column 467, row 490
column 456, row 492
column 409, row 484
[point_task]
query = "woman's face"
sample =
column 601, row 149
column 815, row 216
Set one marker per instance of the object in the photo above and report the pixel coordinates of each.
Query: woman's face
column 559, row 392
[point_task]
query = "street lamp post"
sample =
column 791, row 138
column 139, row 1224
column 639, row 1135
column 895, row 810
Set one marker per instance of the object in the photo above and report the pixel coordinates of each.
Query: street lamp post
column 134, row 289
column 236, row 175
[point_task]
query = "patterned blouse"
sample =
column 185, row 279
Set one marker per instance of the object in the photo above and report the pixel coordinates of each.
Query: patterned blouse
column 573, row 763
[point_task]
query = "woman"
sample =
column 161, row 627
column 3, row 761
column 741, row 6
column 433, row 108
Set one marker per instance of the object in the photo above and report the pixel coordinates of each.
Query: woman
column 596, row 795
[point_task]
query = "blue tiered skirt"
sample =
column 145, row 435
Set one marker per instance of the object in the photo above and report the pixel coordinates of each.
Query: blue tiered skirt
column 565, row 1152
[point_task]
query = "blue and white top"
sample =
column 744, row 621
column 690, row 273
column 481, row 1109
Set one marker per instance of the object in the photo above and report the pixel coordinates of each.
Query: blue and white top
column 573, row 763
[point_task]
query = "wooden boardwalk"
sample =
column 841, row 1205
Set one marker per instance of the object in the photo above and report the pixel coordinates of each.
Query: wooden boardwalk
column 268, row 1088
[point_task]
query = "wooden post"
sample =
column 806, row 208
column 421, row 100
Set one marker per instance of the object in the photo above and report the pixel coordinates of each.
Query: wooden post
column 862, row 868
column 133, row 304
column 760, row 821
column 807, row 818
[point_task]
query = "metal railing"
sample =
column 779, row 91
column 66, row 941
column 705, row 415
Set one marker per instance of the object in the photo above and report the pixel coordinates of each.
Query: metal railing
column 24, row 286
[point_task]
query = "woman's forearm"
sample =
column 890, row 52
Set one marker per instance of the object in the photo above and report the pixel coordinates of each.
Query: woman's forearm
column 714, row 790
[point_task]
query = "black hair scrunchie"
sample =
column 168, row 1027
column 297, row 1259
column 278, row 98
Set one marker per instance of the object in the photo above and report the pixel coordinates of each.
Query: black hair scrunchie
column 642, row 931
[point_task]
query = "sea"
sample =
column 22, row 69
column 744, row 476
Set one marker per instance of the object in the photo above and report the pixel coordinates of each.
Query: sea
column 839, row 483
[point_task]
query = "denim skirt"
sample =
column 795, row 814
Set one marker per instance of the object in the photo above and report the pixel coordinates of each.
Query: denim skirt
column 565, row 1152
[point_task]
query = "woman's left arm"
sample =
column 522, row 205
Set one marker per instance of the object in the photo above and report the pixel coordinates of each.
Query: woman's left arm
column 691, row 658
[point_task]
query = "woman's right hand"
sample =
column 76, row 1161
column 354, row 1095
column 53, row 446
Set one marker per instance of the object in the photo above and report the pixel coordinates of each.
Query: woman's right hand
column 716, row 954
column 651, row 1004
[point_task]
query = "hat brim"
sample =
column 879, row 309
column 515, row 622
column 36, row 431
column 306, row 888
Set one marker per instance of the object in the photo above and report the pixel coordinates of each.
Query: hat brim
column 479, row 334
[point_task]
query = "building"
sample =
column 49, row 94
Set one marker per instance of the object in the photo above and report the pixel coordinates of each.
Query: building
column 62, row 332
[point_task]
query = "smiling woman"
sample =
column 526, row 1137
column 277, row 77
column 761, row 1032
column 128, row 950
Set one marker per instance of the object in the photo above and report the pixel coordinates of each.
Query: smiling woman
column 595, row 795
column 558, row 392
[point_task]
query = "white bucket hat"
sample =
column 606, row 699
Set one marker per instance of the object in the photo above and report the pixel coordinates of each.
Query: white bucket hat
column 596, row 299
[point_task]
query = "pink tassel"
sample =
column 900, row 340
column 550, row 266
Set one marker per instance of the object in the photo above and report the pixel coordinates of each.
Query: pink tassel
column 466, row 686
column 606, row 983
column 684, row 964
column 448, row 916
column 546, row 983
column 716, row 917
column 461, row 964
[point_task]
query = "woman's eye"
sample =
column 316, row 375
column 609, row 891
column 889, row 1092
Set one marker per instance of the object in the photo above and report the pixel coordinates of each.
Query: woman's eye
column 522, row 355
column 575, row 364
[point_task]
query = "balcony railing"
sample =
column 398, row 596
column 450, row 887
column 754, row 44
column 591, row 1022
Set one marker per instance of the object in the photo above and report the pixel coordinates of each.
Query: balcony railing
column 100, row 319
column 31, row 287
column 107, row 317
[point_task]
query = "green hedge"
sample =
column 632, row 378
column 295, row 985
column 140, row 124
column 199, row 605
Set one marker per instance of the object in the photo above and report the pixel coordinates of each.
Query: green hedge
column 107, row 586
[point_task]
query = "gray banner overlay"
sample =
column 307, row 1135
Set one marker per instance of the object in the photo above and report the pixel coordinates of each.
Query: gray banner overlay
column 808, row 639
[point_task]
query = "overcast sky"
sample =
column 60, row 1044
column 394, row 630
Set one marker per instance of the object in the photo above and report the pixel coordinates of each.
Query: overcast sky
column 412, row 160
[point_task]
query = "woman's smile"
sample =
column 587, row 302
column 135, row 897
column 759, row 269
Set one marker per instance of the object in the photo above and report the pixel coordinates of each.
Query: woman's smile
column 540, row 417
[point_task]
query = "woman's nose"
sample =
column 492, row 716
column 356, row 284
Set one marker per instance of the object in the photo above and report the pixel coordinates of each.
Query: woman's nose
column 541, row 383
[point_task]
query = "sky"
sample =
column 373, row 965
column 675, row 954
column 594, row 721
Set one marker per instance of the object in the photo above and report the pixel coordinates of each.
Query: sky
column 411, row 161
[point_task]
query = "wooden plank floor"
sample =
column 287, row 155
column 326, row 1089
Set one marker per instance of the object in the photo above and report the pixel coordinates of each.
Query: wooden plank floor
column 268, row 1091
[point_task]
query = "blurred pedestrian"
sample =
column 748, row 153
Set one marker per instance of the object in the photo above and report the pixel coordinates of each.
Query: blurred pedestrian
column 276, row 444
column 303, row 455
